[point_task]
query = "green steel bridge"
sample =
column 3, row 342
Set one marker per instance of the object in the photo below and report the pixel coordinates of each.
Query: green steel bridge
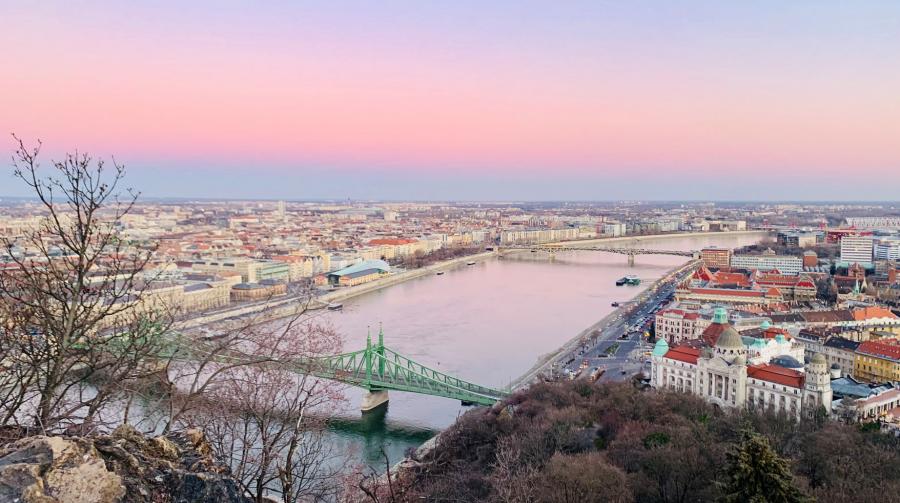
column 379, row 368
column 376, row 369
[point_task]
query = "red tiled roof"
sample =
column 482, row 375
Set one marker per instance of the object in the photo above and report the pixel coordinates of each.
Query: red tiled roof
column 683, row 354
column 885, row 348
column 730, row 278
column 711, row 334
column 865, row 313
column 727, row 291
column 776, row 282
column 703, row 273
column 772, row 332
column 776, row 374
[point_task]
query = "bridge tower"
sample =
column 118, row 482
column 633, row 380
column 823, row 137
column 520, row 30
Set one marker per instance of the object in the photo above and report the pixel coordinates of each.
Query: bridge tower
column 374, row 397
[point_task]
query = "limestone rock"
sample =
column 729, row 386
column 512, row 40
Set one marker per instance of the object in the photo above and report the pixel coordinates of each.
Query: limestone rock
column 124, row 466
column 54, row 469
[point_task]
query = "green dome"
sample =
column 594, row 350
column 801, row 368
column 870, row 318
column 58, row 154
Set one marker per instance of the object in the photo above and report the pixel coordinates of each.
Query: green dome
column 765, row 325
column 779, row 338
column 661, row 348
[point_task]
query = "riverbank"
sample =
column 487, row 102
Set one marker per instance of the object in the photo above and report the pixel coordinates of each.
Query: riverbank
column 393, row 279
column 547, row 361
column 275, row 309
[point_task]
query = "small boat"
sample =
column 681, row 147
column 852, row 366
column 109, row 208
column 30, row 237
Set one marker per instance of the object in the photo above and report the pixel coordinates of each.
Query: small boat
column 335, row 306
column 632, row 280
column 621, row 281
column 615, row 304
column 439, row 273
column 471, row 262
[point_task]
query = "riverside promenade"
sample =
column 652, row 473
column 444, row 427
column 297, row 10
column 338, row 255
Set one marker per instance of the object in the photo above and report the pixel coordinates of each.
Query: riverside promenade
column 604, row 329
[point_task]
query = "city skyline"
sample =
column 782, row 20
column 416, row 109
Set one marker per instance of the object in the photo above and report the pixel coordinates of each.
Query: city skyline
column 582, row 101
column 405, row 251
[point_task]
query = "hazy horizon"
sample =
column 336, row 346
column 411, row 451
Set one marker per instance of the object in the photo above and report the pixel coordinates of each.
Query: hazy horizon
column 467, row 101
column 376, row 187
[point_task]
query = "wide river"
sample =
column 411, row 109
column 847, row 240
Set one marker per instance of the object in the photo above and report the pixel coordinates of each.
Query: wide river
column 487, row 323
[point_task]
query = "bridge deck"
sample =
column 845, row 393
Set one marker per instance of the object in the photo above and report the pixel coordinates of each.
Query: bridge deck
column 607, row 249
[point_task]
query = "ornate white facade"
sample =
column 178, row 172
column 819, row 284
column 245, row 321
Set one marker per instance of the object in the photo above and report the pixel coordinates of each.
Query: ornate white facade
column 722, row 375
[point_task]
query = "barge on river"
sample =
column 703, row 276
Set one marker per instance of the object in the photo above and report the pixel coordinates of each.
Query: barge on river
column 628, row 280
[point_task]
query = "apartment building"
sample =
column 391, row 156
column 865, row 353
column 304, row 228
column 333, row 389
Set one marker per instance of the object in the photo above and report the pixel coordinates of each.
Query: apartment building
column 857, row 250
column 878, row 361
column 785, row 264
column 251, row 270
column 716, row 258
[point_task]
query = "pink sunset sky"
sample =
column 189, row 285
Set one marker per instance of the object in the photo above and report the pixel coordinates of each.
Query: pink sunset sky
column 465, row 100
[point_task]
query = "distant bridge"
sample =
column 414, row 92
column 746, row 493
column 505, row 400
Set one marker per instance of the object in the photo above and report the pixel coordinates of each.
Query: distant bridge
column 628, row 251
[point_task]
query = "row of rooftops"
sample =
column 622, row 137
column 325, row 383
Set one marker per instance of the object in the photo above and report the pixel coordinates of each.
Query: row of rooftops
column 887, row 349
column 753, row 283
column 835, row 316
column 781, row 369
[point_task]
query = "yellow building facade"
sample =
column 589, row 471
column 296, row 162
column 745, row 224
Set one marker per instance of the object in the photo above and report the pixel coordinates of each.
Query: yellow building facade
column 878, row 361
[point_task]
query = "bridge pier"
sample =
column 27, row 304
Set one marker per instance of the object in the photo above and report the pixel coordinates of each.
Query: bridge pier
column 373, row 400
column 630, row 260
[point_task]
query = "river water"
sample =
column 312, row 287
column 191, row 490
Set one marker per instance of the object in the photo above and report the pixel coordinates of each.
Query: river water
column 487, row 323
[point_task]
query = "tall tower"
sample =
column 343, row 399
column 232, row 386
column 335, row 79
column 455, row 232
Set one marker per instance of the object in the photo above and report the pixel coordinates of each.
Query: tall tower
column 280, row 210
column 818, row 384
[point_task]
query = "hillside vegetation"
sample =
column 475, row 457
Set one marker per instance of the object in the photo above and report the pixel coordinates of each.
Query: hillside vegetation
column 575, row 442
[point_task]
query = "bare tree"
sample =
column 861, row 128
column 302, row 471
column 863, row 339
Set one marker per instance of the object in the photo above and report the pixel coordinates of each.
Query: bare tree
column 84, row 337
column 379, row 487
column 197, row 363
column 73, row 290
column 267, row 420
column 513, row 479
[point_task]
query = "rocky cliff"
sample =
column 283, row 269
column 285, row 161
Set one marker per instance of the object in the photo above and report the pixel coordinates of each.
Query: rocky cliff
column 124, row 466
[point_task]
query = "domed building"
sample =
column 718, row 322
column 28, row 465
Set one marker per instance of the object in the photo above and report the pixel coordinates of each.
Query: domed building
column 729, row 371
column 788, row 362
